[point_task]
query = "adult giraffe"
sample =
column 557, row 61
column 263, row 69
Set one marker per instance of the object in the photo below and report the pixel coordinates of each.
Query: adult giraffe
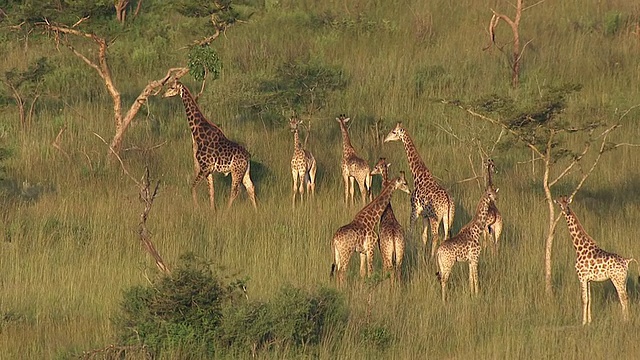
column 212, row 151
column 359, row 235
column 594, row 264
column 429, row 199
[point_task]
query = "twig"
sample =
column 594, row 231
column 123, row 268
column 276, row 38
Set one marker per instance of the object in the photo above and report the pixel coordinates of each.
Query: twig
column 58, row 140
column 124, row 169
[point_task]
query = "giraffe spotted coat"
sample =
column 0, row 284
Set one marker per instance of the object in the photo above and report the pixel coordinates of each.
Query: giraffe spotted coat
column 594, row 264
column 212, row 151
column 465, row 246
column 359, row 235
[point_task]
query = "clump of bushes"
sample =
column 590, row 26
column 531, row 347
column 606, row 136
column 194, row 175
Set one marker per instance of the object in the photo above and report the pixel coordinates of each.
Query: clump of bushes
column 195, row 312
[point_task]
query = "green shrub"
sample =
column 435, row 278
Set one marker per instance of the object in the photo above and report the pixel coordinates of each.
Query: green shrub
column 194, row 312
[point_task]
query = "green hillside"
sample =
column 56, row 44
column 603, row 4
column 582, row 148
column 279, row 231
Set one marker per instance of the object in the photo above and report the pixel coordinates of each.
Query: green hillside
column 69, row 242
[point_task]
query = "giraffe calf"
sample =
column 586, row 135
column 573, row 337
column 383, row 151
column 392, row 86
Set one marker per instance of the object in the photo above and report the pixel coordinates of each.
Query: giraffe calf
column 465, row 246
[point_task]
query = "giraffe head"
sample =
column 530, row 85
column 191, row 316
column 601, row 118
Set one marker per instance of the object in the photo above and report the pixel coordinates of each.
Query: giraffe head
column 293, row 123
column 400, row 183
column 563, row 202
column 381, row 167
column 491, row 166
column 342, row 119
column 175, row 88
column 396, row 134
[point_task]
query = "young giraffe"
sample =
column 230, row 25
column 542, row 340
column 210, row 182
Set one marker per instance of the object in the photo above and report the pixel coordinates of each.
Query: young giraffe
column 359, row 235
column 465, row 246
column 391, row 233
column 594, row 264
column 494, row 218
column 303, row 165
column 353, row 167
column 212, row 151
column 428, row 199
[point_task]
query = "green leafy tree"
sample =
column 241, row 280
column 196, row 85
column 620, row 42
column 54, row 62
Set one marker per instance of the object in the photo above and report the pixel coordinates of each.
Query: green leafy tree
column 84, row 27
column 25, row 87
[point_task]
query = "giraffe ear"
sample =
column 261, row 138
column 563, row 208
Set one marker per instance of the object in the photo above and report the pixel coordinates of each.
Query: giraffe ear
column 388, row 164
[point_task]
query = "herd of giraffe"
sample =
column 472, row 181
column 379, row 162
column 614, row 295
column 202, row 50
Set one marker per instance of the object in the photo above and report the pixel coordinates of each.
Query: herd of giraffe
column 214, row 152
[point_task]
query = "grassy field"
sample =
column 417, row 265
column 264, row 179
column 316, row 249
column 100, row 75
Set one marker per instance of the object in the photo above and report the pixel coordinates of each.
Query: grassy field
column 69, row 223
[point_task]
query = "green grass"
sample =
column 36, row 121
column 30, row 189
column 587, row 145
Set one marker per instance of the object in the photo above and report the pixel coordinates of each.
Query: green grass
column 69, row 225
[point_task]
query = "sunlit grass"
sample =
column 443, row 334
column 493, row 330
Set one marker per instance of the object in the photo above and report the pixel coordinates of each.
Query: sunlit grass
column 70, row 243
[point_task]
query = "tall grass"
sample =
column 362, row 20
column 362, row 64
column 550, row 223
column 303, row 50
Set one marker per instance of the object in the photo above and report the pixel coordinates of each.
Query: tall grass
column 69, row 224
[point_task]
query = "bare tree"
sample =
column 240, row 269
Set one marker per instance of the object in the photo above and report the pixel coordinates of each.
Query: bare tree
column 517, row 50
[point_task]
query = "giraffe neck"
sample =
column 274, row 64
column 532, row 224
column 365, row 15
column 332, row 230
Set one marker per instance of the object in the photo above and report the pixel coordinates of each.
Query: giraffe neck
column 296, row 141
column 370, row 215
column 489, row 176
column 197, row 121
column 347, row 149
column 480, row 217
column 581, row 240
column 417, row 166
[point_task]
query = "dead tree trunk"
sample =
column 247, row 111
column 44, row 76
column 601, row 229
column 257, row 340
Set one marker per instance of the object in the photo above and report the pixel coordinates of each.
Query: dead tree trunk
column 101, row 66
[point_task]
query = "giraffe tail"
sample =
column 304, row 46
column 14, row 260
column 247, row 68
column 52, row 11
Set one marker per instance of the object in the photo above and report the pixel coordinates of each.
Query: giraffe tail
column 333, row 264
column 638, row 267
column 450, row 211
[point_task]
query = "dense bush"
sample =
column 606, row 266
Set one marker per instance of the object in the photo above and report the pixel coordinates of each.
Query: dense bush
column 196, row 312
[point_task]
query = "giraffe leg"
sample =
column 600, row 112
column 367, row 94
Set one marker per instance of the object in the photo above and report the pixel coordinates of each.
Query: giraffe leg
column 212, row 193
column 473, row 277
column 194, row 184
column 248, row 184
column 621, row 286
column 352, row 189
column 345, row 178
column 363, row 191
column 302, row 184
column 367, row 183
column 312, row 179
column 496, row 230
column 369, row 252
column 433, row 224
column 444, row 270
column 584, row 289
column 399, row 255
column 363, row 264
column 386, row 250
column 294, row 175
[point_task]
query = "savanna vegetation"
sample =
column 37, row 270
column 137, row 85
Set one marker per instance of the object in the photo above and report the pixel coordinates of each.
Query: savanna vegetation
column 75, row 280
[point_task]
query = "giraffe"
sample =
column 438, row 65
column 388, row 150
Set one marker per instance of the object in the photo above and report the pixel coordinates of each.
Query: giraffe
column 359, row 235
column 212, row 151
column 494, row 218
column 353, row 167
column 465, row 246
column 594, row 264
column 391, row 233
column 428, row 199
column 303, row 165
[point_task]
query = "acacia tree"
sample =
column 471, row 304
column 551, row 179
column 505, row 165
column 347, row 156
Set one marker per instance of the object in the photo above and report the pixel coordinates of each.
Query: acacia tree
column 25, row 87
column 543, row 130
column 93, row 48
